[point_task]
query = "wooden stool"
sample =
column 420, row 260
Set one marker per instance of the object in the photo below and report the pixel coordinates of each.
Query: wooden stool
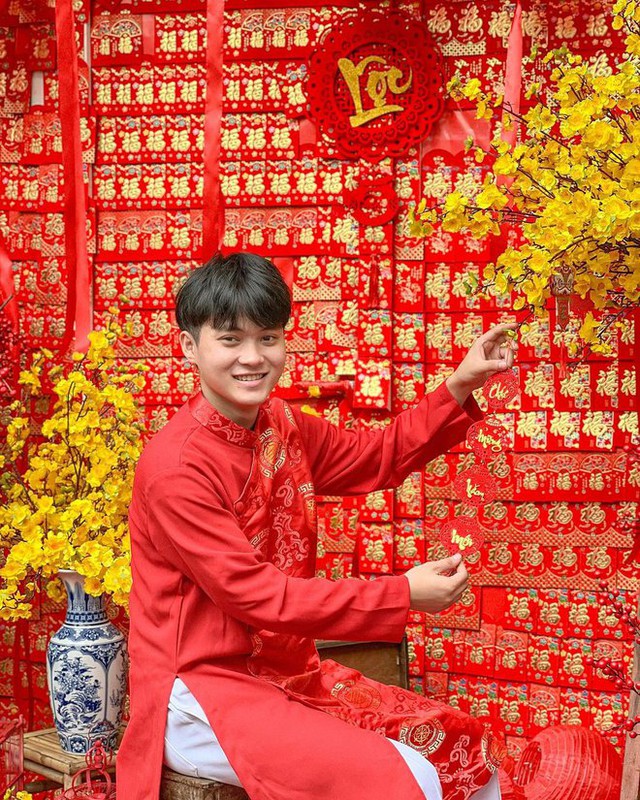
column 180, row 787
column 44, row 756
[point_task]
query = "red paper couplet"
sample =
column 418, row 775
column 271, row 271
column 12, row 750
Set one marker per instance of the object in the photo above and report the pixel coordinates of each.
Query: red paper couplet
column 487, row 438
column 476, row 486
column 462, row 535
column 501, row 388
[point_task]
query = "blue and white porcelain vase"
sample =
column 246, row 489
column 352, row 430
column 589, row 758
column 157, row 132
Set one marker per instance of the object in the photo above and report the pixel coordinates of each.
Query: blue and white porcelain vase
column 87, row 671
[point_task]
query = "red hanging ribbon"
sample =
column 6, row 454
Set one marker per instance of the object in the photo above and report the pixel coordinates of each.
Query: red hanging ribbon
column 148, row 34
column 212, row 207
column 7, row 289
column 284, row 265
column 307, row 135
column 513, row 73
column 78, row 310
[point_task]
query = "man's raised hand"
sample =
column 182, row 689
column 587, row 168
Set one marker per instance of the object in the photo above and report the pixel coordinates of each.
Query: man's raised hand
column 490, row 353
column 436, row 585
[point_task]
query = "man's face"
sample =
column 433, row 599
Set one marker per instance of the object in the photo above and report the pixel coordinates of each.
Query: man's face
column 238, row 368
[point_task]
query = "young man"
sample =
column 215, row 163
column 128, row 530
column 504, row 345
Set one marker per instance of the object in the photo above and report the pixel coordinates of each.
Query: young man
column 225, row 678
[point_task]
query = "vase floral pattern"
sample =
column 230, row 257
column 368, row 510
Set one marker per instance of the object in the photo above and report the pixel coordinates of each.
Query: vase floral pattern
column 87, row 671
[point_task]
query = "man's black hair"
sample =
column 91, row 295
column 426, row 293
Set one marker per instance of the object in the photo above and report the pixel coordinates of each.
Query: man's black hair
column 230, row 288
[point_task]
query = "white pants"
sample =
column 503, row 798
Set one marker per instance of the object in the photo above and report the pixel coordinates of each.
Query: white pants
column 191, row 748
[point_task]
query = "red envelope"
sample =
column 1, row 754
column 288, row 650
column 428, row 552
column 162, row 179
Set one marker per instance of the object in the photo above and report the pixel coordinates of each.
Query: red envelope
column 531, row 560
column 377, row 506
column 574, row 707
column 514, row 706
column 409, row 545
column 511, row 654
column 522, row 609
column 375, row 548
column 544, row 702
column 479, row 651
column 416, row 649
column 408, row 337
column 439, row 338
column 614, row 653
column 575, row 666
column 440, row 647
column 543, row 659
column 408, row 287
column 374, row 334
column 435, row 685
column 409, row 497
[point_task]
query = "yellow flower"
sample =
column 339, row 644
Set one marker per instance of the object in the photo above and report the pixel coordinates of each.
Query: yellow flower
column 57, row 550
column 68, row 507
column 491, row 196
column 472, row 89
column 589, row 328
column 574, row 187
column 480, row 224
column 579, row 117
column 602, row 135
column 30, row 379
column 631, row 174
column 44, row 504
column 540, row 119
column 456, row 202
column 505, row 165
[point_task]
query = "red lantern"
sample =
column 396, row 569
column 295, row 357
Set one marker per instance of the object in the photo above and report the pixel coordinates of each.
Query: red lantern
column 569, row 763
column 89, row 785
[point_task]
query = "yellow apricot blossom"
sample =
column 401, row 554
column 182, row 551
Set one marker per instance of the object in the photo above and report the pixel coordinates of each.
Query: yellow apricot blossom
column 571, row 184
column 66, row 501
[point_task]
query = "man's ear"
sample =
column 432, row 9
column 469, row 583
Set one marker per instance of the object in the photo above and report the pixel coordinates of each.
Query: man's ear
column 188, row 345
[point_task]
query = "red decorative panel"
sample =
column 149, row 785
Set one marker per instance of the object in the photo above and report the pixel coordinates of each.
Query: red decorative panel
column 375, row 85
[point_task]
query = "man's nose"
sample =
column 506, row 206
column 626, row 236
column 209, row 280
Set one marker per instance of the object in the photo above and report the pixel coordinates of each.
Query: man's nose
column 251, row 353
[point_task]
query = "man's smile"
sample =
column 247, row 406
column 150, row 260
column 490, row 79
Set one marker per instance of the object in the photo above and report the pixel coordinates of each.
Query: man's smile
column 248, row 378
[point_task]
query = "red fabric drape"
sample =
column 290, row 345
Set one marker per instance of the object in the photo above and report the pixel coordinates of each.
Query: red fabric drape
column 7, row 286
column 513, row 73
column 213, row 210
column 78, row 312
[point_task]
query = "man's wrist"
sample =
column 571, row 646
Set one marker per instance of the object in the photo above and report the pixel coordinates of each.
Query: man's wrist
column 459, row 389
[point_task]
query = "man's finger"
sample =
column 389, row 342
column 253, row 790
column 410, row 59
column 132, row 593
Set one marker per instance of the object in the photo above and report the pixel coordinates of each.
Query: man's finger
column 497, row 332
column 458, row 583
column 461, row 576
column 447, row 564
column 496, row 364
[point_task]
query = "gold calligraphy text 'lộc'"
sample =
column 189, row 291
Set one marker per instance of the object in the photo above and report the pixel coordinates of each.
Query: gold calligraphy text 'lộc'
column 379, row 83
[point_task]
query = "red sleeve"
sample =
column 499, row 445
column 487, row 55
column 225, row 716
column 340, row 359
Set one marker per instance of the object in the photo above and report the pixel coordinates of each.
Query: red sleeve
column 189, row 524
column 357, row 462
